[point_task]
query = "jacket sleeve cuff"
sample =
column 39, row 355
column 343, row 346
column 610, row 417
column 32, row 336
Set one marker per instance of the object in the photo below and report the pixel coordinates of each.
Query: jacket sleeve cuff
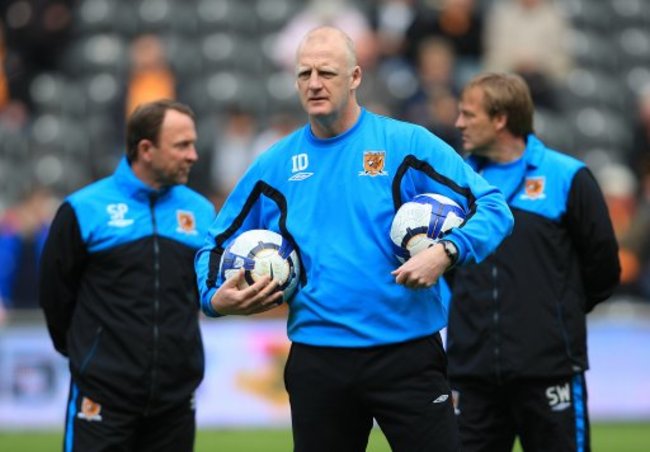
column 462, row 251
column 206, row 304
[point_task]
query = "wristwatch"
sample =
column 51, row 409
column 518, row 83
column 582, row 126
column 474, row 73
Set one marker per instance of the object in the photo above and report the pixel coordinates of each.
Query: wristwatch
column 450, row 250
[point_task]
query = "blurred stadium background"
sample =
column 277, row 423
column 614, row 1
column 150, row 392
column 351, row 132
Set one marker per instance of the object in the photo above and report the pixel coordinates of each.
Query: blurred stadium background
column 72, row 69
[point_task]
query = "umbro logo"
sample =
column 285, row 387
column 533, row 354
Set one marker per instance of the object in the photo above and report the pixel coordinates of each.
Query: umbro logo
column 441, row 399
column 301, row 176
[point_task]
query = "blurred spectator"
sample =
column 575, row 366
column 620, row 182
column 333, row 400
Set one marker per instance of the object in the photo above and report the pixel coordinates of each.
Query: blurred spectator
column 619, row 186
column 14, row 115
column 13, row 112
column 391, row 20
column 232, row 152
column 635, row 242
column 458, row 21
column 434, row 104
column 4, row 82
column 390, row 80
column 435, row 75
column 342, row 14
column 36, row 33
column 150, row 77
column 279, row 125
column 150, row 73
column 640, row 155
column 443, row 111
column 529, row 37
column 23, row 229
column 382, row 89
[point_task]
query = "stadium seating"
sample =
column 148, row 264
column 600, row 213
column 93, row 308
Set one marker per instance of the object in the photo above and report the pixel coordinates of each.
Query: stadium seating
column 220, row 51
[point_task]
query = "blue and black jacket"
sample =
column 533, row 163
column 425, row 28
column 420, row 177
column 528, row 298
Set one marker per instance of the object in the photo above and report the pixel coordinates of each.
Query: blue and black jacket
column 522, row 311
column 118, row 289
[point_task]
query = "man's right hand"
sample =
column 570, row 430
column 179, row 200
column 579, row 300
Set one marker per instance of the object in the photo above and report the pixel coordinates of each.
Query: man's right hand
column 260, row 297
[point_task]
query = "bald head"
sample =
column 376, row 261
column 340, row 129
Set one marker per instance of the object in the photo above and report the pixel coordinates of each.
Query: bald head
column 327, row 77
column 331, row 38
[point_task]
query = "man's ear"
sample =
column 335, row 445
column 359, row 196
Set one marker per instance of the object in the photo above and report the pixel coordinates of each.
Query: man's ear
column 500, row 121
column 144, row 150
column 356, row 77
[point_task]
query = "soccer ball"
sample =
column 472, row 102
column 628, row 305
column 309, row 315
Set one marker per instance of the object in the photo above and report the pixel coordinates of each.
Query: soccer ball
column 421, row 222
column 262, row 252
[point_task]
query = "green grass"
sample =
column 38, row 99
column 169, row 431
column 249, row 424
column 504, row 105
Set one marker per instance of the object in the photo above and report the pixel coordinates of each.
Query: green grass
column 263, row 441
column 605, row 438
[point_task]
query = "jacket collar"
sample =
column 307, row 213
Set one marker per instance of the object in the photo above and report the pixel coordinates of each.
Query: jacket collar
column 133, row 186
column 532, row 156
column 534, row 151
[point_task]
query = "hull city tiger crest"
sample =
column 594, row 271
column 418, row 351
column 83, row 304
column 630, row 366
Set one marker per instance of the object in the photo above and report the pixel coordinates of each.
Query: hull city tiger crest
column 534, row 188
column 186, row 222
column 373, row 164
column 90, row 410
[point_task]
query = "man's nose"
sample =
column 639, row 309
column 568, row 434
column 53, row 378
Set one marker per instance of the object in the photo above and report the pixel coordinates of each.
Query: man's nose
column 192, row 155
column 315, row 81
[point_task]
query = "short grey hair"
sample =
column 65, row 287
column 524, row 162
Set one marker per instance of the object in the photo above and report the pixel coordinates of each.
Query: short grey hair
column 349, row 43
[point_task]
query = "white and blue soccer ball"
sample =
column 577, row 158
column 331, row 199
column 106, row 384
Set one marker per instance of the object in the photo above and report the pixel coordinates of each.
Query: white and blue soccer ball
column 262, row 252
column 422, row 221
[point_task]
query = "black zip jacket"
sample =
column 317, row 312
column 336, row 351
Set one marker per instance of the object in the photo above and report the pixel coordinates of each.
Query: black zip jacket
column 118, row 289
column 522, row 311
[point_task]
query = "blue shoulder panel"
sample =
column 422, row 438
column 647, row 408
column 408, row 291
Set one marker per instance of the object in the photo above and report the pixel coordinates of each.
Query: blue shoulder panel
column 117, row 210
column 107, row 218
column 538, row 183
column 545, row 188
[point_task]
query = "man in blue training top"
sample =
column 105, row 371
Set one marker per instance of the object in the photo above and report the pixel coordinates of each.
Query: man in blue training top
column 364, row 330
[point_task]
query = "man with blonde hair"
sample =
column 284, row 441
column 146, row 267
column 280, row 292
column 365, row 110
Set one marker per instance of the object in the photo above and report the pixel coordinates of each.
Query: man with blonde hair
column 517, row 338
